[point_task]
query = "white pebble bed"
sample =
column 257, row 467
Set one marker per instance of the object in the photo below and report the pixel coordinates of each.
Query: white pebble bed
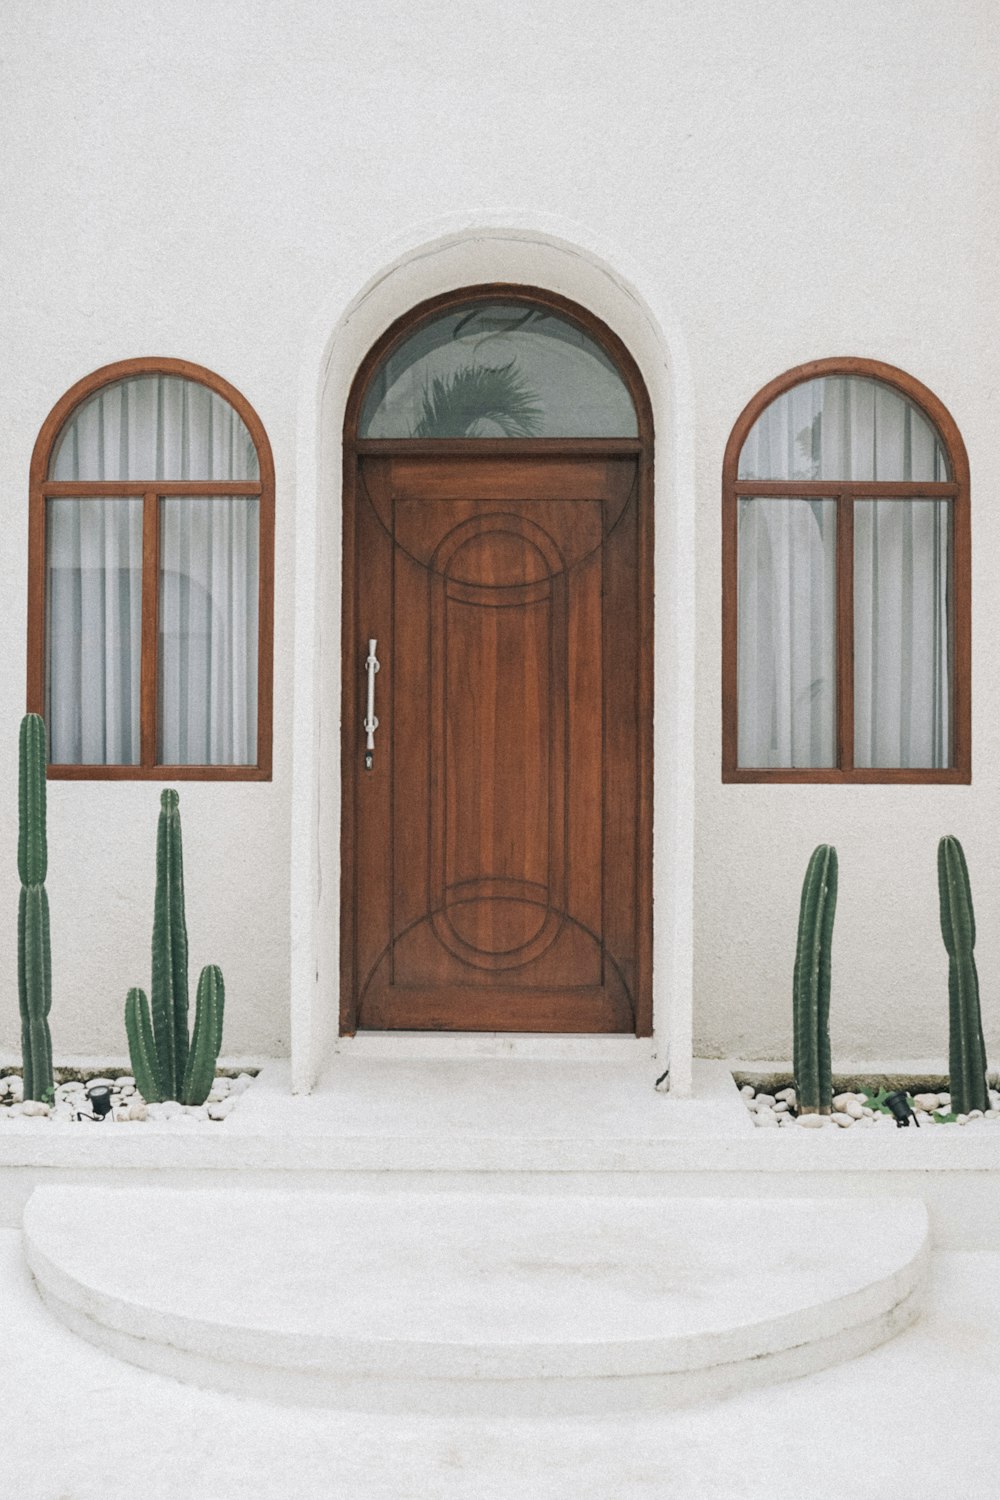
column 778, row 1111
column 127, row 1104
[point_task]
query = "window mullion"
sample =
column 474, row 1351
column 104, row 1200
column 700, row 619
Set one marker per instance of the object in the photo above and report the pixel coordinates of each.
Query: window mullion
column 150, row 627
column 845, row 632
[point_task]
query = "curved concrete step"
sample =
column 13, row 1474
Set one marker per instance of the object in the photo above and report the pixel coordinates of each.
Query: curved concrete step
column 475, row 1301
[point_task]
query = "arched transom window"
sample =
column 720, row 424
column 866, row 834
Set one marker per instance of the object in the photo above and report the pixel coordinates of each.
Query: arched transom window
column 498, row 369
column 845, row 582
column 150, row 603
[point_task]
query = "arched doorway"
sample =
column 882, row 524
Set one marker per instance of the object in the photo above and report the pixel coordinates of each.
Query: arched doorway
column 497, row 821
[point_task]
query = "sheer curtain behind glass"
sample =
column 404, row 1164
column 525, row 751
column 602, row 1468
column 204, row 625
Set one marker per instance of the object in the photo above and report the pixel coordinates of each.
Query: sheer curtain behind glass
column 94, row 630
column 154, row 427
column 902, row 639
column 844, row 428
column 787, row 632
column 148, row 428
column 208, row 631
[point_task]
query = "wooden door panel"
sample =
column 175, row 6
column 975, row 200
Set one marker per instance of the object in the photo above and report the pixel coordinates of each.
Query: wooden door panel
column 496, row 668
column 496, row 875
column 621, row 732
column 506, row 480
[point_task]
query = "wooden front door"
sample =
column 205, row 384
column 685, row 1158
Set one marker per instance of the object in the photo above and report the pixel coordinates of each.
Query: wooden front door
column 496, row 856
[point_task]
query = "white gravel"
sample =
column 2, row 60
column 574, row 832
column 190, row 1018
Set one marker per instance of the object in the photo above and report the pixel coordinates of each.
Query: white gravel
column 851, row 1108
column 127, row 1105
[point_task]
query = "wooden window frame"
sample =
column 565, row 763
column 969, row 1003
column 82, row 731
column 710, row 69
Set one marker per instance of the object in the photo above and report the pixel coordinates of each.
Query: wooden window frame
column 356, row 448
column 844, row 494
column 151, row 492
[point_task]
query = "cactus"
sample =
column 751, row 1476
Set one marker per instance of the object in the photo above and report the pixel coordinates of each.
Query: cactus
column 811, row 985
column 207, row 1037
column 170, row 949
column 966, row 1048
column 166, row 1065
column 142, row 1047
column 34, row 962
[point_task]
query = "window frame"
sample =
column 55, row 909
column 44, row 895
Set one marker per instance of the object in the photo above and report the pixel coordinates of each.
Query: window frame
column 41, row 489
column 845, row 493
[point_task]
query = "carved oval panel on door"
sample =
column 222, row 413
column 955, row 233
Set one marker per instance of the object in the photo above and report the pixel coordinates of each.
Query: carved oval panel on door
column 498, row 666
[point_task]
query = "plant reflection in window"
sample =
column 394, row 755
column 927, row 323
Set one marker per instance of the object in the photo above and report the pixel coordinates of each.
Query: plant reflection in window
column 456, row 405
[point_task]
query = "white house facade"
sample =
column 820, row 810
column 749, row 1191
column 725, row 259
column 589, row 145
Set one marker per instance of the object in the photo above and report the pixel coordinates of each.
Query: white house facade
column 712, row 198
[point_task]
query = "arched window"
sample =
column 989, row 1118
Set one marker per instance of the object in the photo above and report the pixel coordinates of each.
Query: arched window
column 498, row 368
column 150, row 577
column 846, row 618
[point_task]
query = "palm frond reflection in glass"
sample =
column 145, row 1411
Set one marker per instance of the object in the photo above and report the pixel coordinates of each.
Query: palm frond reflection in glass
column 498, row 369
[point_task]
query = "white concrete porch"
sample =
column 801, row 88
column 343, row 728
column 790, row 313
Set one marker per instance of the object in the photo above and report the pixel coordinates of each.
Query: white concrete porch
column 474, row 1302
column 509, row 1124
column 493, row 1112
column 573, row 1192
column 486, row 1236
column 915, row 1416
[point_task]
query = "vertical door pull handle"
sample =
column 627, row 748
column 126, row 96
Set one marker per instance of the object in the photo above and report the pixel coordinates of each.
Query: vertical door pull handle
column 371, row 723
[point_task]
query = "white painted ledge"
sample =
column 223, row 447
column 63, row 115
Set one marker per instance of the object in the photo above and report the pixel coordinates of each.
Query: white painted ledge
column 445, row 1046
column 515, row 1125
column 475, row 1302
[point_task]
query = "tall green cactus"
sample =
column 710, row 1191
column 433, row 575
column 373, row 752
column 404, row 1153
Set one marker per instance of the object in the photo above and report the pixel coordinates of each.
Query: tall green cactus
column 811, row 984
column 966, row 1048
column 170, row 948
column 166, row 1065
column 34, row 961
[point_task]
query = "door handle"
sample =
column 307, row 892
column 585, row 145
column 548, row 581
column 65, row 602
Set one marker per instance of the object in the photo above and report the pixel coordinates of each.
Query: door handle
column 371, row 723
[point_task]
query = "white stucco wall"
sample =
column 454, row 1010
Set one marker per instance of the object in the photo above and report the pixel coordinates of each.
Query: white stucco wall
column 225, row 183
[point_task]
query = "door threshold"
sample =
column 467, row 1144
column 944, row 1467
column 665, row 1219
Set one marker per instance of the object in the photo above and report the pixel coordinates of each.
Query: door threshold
column 445, row 1044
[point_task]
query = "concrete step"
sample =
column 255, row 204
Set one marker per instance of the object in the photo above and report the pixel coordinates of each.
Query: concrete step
column 475, row 1302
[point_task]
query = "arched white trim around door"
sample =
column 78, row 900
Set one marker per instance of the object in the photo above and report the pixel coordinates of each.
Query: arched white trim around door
column 433, row 261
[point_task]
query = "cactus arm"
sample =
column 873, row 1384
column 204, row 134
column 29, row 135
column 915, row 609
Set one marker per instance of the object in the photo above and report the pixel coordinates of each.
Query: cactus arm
column 812, row 982
column 169, row 989
column 142, row 1047
column 209, row 1004
column 34, row 958
column 966, row 1047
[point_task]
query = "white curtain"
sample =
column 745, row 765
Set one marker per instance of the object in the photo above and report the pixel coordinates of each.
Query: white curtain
column 151, row 428
column 94, row 630
column 787, row 632
column 843, row 427
column 208, row 631
column 902, row 658
column 154, row 427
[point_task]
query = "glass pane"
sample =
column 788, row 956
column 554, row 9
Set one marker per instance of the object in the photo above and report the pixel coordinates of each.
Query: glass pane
column 498, row 370
column 902, row 633
column 208, row 632
column 93, row 630
column 154, row 427
column 787, row 654
column 843, row 427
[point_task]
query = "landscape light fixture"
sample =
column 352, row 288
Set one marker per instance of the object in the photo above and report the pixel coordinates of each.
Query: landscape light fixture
column 899, row 1105
column 100, row 1103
